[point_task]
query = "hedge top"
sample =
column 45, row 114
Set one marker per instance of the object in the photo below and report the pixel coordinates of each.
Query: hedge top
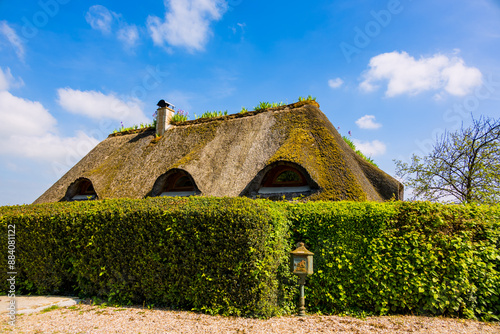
column 230, row 156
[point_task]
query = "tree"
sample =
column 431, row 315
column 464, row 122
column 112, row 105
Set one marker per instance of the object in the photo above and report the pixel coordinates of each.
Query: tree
column 463, row 167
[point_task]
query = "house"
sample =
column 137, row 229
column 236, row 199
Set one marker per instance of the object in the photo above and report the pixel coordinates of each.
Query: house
column 283, row 152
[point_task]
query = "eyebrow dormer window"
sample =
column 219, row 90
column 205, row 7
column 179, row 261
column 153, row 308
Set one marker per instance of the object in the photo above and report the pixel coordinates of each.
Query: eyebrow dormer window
column 288, row 177
column 175, row 182
column 178, row 182
column 86, row 188
column 81, row 190
column 284, row 179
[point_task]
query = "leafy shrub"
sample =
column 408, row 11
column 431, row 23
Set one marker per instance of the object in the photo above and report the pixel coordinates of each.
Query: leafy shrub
column 230, row 255
column 213, row 255
column 402, row 258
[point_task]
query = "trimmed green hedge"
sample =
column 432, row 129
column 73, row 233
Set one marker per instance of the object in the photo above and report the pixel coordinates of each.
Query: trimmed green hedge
column 402, row 257
column 230, row 255
column 214, row 255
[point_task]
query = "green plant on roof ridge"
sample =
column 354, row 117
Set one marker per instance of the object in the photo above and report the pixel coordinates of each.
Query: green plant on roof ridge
column 135, row 127
column 262, row 106
column 213, row 114
column 358, row 152
column 308, row 98
column 266, row 105
column 180, row 116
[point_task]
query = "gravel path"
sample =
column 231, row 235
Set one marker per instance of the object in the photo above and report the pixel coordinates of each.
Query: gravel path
column 97, row 319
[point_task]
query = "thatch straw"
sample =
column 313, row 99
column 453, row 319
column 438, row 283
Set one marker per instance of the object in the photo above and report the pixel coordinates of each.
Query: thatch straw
column 227, row 156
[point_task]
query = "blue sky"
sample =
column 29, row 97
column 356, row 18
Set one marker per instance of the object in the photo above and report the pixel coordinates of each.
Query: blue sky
column 394, row 73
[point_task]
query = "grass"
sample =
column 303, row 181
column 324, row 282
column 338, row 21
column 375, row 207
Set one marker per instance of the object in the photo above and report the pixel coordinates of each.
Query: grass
column 267, row 105
column 212, row 114
column 136, row 127
column 308, row 98
column 179, row 118
column 48, row 309
column 358, row 152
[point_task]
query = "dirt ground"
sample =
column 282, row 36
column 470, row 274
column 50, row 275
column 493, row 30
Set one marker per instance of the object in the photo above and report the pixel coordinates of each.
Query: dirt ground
column 83, row 318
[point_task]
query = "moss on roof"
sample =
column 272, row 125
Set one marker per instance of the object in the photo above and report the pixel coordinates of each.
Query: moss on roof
column 311, row 145
column 224, row 155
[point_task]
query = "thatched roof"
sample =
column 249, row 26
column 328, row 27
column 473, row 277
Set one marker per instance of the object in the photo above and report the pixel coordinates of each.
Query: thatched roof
column 229, row 156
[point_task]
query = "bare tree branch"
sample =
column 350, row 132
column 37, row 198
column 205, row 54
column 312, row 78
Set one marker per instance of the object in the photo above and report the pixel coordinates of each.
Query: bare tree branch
column 463, row 167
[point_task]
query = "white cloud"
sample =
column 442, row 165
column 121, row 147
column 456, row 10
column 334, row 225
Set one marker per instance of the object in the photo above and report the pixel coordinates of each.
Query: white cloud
column 50, row 147
column 186, row 23
column 99, row 106
column 23, row 116
column 370, row 148
column 335, row 83
column 28, row 130
column 368, row 122
column 13, row 39
column 460, row 78
column 7, row 81
column 406, row 75
column 128, row 34
column 108, row 22
column 100, row 18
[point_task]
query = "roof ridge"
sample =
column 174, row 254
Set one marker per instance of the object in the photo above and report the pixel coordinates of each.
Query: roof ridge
column 220, row 118
column 246, row 114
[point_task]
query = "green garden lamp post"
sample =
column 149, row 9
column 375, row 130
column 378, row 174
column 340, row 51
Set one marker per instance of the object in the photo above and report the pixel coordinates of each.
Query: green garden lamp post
column 302, row 265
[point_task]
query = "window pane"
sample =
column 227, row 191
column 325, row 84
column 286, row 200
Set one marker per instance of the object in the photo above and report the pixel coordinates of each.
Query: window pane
column 183, row 182
column 86, row 188
column 288, row 176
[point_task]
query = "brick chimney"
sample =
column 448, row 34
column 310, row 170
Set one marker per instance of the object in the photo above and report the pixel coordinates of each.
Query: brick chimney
column 164, row 115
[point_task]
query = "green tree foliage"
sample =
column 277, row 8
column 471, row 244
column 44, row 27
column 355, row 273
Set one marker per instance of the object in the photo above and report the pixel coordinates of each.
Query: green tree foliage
column 463, row 167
